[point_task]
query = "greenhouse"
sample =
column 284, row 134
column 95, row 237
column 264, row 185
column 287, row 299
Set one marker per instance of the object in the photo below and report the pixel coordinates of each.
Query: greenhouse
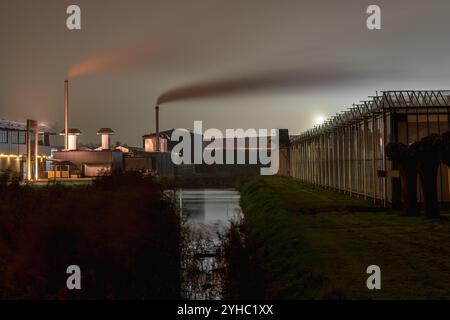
column 347, row 152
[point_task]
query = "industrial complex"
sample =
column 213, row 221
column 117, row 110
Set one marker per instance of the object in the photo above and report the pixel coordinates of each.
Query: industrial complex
column 346, row 153
column 28, row 151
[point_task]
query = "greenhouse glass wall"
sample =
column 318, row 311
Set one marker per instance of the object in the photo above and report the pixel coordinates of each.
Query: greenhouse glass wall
column 347, row 153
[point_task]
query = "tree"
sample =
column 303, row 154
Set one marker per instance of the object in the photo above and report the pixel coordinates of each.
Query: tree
column 444, row 148
column 406, row 160
column 428, row 159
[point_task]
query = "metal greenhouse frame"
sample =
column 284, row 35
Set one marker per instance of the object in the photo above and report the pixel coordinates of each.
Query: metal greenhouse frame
column 347, row 152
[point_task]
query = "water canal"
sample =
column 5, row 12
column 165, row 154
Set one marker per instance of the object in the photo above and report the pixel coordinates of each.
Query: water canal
column 207, row 214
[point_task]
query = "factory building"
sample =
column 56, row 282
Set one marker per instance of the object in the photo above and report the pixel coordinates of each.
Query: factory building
column 85, row 163
column 13, row 146
column 239, row 145
column 347, row 153
column 160, row 161
column 76, row 163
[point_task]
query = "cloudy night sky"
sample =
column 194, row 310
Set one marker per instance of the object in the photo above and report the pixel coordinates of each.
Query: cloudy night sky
column 288, row 62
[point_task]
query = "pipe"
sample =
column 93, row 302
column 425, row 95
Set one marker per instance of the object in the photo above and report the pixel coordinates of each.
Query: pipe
column 66, row 114
column 28, row 162
column 157, row 127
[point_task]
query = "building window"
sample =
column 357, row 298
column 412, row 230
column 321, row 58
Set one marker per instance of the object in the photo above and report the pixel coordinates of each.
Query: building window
column 3, row 136
column 22, row 137
column 14, row 137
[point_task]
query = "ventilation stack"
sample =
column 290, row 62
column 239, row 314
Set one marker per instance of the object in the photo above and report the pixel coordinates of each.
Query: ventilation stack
column 105, row 133
column 72, row 141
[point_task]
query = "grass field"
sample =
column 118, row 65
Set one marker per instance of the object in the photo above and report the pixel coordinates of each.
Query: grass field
column 308, row 243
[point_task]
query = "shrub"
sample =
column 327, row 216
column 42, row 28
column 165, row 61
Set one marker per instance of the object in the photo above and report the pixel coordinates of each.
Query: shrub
column 121, row 232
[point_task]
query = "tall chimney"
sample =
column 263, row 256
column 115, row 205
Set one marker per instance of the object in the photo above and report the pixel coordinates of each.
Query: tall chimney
column 157, row 128
column 66, row 114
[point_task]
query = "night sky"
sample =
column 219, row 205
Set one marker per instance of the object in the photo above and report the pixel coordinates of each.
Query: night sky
column 277, row 63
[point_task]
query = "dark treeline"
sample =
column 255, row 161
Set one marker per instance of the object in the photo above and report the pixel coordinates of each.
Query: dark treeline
column 121, row 232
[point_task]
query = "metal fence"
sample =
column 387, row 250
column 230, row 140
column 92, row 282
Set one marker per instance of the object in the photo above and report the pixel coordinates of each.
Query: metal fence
column 347, row 152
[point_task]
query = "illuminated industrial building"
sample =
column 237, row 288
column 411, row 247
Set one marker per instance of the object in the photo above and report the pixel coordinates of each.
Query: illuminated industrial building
column 78, row 162
column 13, row 147
column 347, row 152
column 231, row 146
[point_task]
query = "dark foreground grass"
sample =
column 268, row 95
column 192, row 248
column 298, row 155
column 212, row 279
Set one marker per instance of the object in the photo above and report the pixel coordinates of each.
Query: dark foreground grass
column 307, row 243
column 120, row 231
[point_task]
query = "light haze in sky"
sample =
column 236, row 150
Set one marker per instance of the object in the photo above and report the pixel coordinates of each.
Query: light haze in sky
column 314, row 58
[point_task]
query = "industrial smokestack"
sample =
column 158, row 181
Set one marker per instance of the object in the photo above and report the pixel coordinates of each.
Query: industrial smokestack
column 158, row 149
column 66, row 114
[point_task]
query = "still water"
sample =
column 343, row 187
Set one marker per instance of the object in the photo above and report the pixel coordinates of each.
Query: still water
column 207, row 214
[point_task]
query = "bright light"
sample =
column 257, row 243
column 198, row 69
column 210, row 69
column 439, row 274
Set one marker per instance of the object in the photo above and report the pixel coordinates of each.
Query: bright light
column 319, row 120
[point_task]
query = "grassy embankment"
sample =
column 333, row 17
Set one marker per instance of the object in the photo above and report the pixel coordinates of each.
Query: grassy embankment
column 120, row 231
column 304, row 242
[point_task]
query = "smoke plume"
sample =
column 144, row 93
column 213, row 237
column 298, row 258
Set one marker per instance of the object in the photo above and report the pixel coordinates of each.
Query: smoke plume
column 114, row 60
column 266, row 81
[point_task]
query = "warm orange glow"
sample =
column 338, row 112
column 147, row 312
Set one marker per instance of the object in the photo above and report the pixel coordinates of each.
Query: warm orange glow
column 2, row 155
column 10, row 156
column 113, row 60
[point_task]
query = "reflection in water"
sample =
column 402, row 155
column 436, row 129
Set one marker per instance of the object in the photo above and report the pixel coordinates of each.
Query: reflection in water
column 209, row 206
column 208, row 214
